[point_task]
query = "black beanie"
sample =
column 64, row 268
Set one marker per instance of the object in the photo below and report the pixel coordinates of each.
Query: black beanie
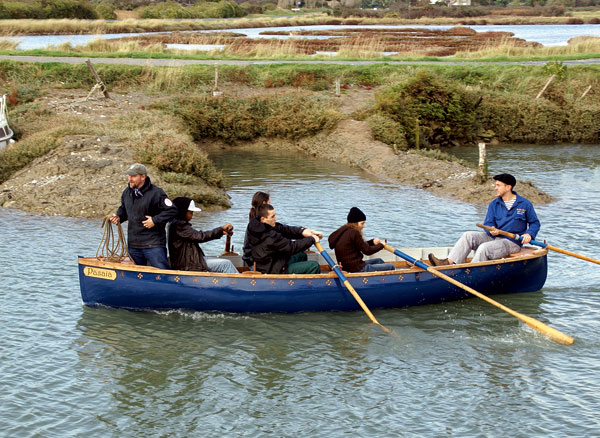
column 507, row 179
column 355, row 215
column 182, row 203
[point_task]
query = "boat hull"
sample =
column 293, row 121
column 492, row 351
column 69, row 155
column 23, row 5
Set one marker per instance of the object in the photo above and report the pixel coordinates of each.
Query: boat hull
column 144, row 288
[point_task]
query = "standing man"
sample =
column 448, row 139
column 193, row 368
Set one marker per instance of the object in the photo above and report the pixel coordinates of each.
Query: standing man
column 273, row 249
column 508, row 212
column 148, row 210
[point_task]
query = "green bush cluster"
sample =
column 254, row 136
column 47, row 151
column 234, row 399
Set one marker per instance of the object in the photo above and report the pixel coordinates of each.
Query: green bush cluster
column 387, row 130
column 171, row 9
column 231, row 119
column 430, row 109
column 47, row 9
column 523, row 119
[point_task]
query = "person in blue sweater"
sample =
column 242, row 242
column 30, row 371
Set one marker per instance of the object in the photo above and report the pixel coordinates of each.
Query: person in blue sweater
column 507, row 212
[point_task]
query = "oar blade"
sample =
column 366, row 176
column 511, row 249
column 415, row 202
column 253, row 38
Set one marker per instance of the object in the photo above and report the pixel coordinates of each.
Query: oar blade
column 552, row 333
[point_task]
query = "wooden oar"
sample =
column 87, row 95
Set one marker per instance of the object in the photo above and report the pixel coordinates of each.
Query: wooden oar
column 552, row 333
column 344, row 280
column 541, row 244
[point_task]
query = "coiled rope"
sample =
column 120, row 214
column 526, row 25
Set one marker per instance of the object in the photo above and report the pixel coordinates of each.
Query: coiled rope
column 110, row 249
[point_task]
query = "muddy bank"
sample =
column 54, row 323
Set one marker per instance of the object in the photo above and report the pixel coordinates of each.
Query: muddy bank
column 84, row 176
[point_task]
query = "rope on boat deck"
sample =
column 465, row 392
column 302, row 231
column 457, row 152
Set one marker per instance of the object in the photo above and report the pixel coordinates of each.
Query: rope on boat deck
column 109, row 249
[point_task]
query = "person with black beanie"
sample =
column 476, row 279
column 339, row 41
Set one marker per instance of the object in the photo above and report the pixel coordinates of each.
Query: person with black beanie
column 349, row 246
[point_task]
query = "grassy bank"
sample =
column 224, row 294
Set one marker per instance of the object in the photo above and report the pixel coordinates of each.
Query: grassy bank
column 416, row 107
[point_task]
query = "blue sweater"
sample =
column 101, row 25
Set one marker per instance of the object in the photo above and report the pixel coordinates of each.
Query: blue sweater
column 520, row 219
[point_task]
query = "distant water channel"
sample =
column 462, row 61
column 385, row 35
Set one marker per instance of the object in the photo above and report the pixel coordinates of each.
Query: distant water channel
column 548, row 35
column 462, row 369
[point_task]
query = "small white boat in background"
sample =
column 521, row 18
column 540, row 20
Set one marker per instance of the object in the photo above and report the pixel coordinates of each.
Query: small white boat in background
column 5, row 132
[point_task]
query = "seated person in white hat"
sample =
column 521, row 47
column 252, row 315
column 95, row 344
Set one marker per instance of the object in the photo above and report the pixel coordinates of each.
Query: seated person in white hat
column 184, row 240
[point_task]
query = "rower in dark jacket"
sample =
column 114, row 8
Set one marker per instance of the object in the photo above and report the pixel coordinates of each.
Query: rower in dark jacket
column 147, row 210
column 184, row 248
column 349, row 246
column 273, row 249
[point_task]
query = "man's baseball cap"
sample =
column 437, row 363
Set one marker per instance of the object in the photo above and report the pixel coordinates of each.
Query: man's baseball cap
column 137, row 169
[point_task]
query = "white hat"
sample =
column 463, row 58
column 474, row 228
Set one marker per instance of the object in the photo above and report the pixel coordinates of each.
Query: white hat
column 193, row 207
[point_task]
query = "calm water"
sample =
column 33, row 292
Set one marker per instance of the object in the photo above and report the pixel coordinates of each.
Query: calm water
column 463, row 369
column 548, row 35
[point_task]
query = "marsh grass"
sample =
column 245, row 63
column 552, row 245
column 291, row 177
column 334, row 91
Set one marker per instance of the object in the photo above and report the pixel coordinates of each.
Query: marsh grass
column 6, row 44
column 579, row 46
column 133, row 25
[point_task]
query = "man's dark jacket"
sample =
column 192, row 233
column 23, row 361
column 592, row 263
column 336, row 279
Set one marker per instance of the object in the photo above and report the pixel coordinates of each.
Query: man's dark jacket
column 350, row 246
column 153, row 202
column 272, row 246
column 184, row 248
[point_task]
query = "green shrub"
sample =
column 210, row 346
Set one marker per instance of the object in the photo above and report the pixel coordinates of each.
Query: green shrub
column 106, row 11
column 221, row 9
column 521, row 119
column 18, row 10
column 388, row 131
column 232, row 119
column 168, row 9
column 175, row 155
column 439, row 109
column 70, row 9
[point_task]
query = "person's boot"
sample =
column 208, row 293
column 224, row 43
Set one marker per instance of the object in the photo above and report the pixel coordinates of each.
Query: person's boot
column 437, row 262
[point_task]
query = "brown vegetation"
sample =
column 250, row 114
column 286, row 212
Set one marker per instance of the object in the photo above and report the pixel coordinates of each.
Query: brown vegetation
column 416, row 41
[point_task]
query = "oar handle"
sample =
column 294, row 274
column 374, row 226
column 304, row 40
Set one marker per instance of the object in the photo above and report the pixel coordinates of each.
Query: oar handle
column 346, row 283
column 513, row 236
column 544, row 245
column 552, row 333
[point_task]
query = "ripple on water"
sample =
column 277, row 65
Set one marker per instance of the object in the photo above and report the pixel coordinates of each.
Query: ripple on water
column 459, row 369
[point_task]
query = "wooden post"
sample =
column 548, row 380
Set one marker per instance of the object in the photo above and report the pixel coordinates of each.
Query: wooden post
column 417, row 134
column 98, row 80
column 337, row 87
column 216, row 77
column 586, row 92
column 545, row 86
column 482, row 169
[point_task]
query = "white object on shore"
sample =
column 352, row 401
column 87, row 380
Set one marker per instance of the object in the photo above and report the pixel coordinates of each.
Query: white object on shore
column 5, row 132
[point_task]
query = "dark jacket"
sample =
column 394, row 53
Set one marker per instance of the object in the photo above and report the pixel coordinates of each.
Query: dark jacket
column 134, row 209
column 272, row 246
column 184, row 248
column 350, row 246
column 520, row 219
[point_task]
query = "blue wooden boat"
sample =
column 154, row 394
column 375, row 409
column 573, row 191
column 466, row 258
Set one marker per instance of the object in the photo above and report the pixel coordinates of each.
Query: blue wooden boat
column 128, row 286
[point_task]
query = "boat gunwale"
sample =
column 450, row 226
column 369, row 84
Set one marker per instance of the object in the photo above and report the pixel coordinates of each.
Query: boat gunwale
column 96, row 262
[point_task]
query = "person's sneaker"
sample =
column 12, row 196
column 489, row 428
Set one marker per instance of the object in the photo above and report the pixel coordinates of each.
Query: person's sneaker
column 437, row 262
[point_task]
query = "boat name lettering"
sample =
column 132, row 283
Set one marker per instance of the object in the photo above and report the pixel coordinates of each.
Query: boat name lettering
column 107, row 274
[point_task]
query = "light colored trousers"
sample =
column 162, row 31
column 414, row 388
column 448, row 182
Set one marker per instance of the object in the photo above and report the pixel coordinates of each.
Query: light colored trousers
column 221, row 265
column 485, row 247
